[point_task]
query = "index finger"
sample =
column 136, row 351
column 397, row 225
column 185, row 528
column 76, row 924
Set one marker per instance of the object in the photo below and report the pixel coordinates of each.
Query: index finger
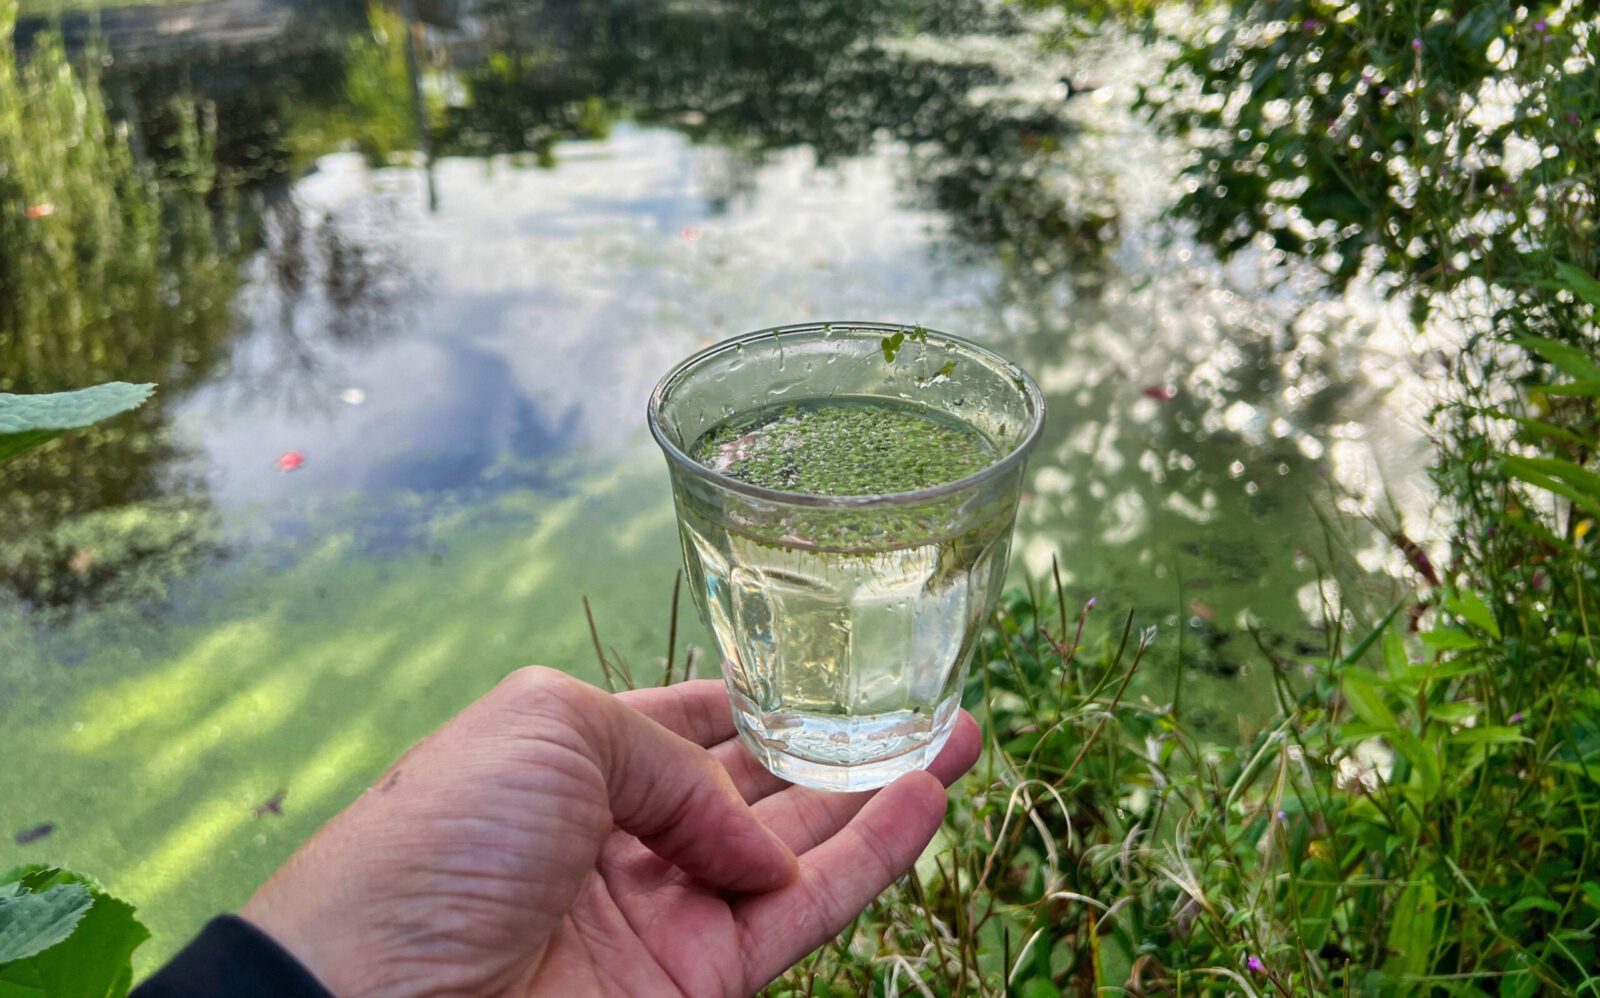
column 697, row 710
column 839, row 878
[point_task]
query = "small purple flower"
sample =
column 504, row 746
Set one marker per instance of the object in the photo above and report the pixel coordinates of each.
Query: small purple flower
column 1309, row 669
column 1310, row 24
column 1541, row 26
column 1090, row 605
column 1255, row 964
column 1416, row 45
column 1384, row 91
column 1366, row 76
column 1573, row 119
column 1515, row 718
column 1283, row 815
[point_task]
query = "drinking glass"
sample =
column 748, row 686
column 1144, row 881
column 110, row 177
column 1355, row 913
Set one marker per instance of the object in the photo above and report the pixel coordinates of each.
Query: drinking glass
column 846, row 623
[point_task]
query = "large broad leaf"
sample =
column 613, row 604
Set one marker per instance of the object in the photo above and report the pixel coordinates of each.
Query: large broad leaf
column 94, row 961
column 26, row 421
column 31, row 923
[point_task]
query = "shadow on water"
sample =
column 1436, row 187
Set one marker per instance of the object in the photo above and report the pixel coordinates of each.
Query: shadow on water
column 450, row 350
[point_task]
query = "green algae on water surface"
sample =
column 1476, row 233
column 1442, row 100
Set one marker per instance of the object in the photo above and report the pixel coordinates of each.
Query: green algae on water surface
column 844, row 447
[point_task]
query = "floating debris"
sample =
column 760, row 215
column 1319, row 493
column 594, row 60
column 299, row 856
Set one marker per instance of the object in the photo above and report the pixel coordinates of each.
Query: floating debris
column 272, row 805
column 28, row 836
column 291, row 460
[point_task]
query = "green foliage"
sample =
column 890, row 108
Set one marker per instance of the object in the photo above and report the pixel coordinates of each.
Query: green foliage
column 63, row 936
column 26, row 421
column 31, row 922
column 1420, row 813
column 1438, row 146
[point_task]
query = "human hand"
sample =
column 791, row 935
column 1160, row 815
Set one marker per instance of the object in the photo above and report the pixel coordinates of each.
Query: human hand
column 552, row 839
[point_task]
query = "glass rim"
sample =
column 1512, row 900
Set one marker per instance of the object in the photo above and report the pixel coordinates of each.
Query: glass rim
column 1009, row 462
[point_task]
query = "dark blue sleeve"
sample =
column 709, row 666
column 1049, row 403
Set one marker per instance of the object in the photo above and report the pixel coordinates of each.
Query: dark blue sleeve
column 231, row 958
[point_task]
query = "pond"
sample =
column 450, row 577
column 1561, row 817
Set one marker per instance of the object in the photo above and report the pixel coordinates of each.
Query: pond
column 400, row 431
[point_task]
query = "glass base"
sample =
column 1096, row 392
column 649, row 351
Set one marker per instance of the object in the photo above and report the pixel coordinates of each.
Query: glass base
column 843, row 753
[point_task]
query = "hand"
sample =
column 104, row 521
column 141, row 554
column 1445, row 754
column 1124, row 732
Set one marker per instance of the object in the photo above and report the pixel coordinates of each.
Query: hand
column 554, row 840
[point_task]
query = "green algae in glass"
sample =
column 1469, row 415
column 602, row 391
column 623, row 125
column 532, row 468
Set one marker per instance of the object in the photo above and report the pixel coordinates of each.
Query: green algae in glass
column 851, row 446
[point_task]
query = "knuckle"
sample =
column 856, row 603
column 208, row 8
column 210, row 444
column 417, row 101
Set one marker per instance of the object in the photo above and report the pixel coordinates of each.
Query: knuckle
column 534, row 683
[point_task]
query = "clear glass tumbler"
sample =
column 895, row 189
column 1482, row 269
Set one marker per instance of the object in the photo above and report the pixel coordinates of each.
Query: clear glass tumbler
column 846, row 623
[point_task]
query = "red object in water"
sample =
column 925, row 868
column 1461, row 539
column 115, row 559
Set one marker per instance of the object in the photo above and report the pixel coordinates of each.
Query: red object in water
column 41, row 210
column 1161, row 393
column 291, row 460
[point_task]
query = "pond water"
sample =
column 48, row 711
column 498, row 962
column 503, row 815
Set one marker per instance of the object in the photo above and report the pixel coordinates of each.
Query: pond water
column 402, row 435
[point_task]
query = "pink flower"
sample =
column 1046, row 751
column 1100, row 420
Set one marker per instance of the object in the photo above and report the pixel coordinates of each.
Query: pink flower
column 1515, row 718
column 1416, row 45
column 1573, row 119
column 1255, row 964
column 689, row 234
column 1541, row 26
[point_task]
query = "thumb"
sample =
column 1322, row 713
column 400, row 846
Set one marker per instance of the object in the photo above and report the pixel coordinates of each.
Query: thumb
column 679, row 801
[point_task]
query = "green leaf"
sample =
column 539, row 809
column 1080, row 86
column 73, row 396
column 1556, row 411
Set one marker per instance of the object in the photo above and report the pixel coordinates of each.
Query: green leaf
column 1538, row 427
column 1587, row 389
column 96, row 960
column 1424, row 759
column 1492, row 734
column 1570, row 359
column 891, row 346
column 1563, row 478
column 1364, row 697
column 1038, row 987
column 26, row 421
column 1445, row 639
column 1411, row 930
column 1534, row 901
column 31, row 923
column 1371, row 637
column 18, row 981
column 1591, row 890
column 1452, row 713
column 1580, row 282
column 1395, row 661
column 1469, row 606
